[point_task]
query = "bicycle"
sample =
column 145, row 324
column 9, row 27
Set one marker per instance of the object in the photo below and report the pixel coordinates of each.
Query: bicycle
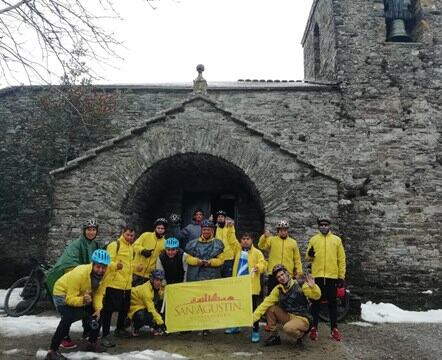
column 24, row 294
column 343, row 305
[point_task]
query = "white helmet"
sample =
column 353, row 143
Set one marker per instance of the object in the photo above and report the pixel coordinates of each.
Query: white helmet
column 282, row 224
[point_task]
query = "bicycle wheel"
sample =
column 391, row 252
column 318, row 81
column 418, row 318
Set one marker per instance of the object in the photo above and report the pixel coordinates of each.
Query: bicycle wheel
column 22, row 296
column 343, row 306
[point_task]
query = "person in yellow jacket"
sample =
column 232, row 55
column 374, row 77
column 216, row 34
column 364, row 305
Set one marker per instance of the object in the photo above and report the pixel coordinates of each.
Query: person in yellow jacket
column 118, row 283
column 147, row 248
column 145, row 304
column 78, row 294
column 326, row 252
column 248, row 261
column 288, row 304
column 224, row 226
column 282, row 249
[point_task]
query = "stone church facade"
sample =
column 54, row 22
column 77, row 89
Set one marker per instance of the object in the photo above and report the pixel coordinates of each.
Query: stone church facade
column 359, row 139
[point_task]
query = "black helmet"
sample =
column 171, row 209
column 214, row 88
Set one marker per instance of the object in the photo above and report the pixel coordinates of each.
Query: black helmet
column 220, row 212
column 174, row 219
column 277, row 268
column 160, row 221
column 207, row 223
column 323, row 218
column 90, row 223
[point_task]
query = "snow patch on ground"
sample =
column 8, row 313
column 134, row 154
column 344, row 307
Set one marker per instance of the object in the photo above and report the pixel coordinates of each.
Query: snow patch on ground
column 389, row 313
column 12, row 351
column 134, row 355
column 360, row 323
column 31, row 325
column 247, row 354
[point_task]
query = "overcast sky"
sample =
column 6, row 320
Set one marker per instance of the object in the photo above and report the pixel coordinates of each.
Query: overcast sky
column 234, row 39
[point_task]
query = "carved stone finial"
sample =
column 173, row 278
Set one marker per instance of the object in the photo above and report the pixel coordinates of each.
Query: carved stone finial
column 200, row 84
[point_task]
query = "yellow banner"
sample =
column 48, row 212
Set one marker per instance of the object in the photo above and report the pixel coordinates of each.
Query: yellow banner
column 210, row 304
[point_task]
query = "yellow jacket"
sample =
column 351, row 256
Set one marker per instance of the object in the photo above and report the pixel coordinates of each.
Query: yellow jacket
column 313, row 293
column 329, row 260
column 223, row 234
column 147, row 240
column 255, row 257
column 282, row 251
column 75, row 284
column 141, row 297
column 120, row 279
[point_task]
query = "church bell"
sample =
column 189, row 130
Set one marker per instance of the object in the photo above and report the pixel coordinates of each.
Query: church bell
column 398, row 33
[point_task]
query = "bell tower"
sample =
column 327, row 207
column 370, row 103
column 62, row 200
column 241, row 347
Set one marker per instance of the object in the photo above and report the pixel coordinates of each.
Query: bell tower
column 385, row 57
column 341, row 34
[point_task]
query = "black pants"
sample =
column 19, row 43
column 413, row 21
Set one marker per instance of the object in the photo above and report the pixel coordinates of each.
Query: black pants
column 69, row 315
column 138, row 280
column 115, row 300
column 227, row 269
column 256, row 300
column 328, row 291
column 142, row 317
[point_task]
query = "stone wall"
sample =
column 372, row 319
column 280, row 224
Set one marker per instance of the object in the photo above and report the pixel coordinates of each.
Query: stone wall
column 377, row 131
column 390, row 128
column 322, row 16
column 286, row 187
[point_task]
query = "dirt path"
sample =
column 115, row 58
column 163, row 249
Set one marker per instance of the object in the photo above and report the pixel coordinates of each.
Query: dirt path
column 387, row 341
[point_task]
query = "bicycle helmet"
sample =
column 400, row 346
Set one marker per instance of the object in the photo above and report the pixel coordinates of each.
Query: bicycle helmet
column 207, row 223
column 172, row 243
column 160, row 221
column 323, row 218
column 282, row 224
column 277, row 268
column 90, row 223
column 157, row 274
column 220, row 212
column 174, row 219
column 101, row 256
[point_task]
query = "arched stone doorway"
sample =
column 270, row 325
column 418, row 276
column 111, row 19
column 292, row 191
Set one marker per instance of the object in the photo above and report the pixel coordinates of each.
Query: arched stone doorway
column 181, row 183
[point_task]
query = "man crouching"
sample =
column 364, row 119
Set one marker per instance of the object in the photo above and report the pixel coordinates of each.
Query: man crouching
column 287, row 304
column 78, row 294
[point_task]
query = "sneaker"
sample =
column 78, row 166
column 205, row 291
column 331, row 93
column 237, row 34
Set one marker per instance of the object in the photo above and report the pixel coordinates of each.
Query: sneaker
column 273, row 340
column 55, row 355
column 232, row 331
column 313, row 334
column 255, row 337
column 68, row 344
column 94, row 347
column 107, row 342
column 122, row 333
column 135, row 332
column 335, row 334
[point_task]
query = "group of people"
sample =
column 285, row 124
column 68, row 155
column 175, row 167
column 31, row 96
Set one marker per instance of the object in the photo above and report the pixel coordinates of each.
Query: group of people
column 128, row 277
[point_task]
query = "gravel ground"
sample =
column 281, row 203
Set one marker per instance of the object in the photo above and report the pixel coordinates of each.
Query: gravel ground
column 380, row 341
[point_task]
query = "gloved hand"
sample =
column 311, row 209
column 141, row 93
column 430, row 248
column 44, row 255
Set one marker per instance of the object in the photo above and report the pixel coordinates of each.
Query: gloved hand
column 146, row 252
column 311, row 252
column 161, row 329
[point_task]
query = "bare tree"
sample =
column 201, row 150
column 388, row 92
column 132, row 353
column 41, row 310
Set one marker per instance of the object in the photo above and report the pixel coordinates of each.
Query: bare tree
column 37, row 36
